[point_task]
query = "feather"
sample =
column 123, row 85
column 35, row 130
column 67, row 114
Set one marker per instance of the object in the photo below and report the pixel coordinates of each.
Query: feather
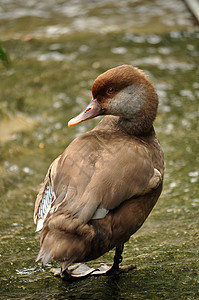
column 45, row 205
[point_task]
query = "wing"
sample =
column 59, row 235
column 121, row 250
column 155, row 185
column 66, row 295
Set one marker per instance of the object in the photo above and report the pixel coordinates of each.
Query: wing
column 65, row 181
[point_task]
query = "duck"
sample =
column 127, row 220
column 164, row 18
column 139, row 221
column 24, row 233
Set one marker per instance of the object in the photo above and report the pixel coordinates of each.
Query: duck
column 102, row 188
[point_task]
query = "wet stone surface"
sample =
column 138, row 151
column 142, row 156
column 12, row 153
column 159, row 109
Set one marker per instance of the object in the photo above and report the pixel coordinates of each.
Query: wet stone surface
column 57, row 49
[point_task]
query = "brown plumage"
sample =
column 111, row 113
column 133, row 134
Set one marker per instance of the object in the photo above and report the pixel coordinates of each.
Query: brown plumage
column 104, row 185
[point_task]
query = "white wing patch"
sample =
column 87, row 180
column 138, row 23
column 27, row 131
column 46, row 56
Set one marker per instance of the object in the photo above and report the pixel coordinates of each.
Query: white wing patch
column 48, row 198
column 100, row 213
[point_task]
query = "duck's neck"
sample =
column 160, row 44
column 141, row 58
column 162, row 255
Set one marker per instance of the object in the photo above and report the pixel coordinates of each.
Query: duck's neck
column 132, row 127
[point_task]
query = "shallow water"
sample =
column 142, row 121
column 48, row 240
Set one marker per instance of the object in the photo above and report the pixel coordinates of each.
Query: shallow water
column 57, row 49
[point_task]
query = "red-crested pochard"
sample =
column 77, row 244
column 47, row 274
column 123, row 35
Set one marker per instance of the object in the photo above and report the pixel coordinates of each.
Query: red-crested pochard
column 104, row 185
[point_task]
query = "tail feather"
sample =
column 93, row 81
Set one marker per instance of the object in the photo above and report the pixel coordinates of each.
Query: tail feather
column 62, row 246
column 44, row 256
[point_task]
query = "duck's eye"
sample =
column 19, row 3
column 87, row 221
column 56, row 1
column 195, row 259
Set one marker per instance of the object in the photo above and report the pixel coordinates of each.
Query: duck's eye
column 110, row 91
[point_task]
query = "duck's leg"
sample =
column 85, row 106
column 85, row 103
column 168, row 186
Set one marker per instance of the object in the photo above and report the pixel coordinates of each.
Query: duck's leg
column 115, row 269
column 117, row 260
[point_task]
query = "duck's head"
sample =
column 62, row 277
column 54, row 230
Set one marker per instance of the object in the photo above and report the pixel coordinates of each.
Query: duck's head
column 126, row 92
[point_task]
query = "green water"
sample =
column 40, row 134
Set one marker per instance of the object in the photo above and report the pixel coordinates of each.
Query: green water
column 57, row 49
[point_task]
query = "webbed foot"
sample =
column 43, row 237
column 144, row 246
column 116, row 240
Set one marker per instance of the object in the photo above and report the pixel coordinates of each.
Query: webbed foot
column 77, row 271
column 81, row 271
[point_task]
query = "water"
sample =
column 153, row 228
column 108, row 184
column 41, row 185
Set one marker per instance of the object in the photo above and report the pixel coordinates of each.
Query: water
column 57, row 49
